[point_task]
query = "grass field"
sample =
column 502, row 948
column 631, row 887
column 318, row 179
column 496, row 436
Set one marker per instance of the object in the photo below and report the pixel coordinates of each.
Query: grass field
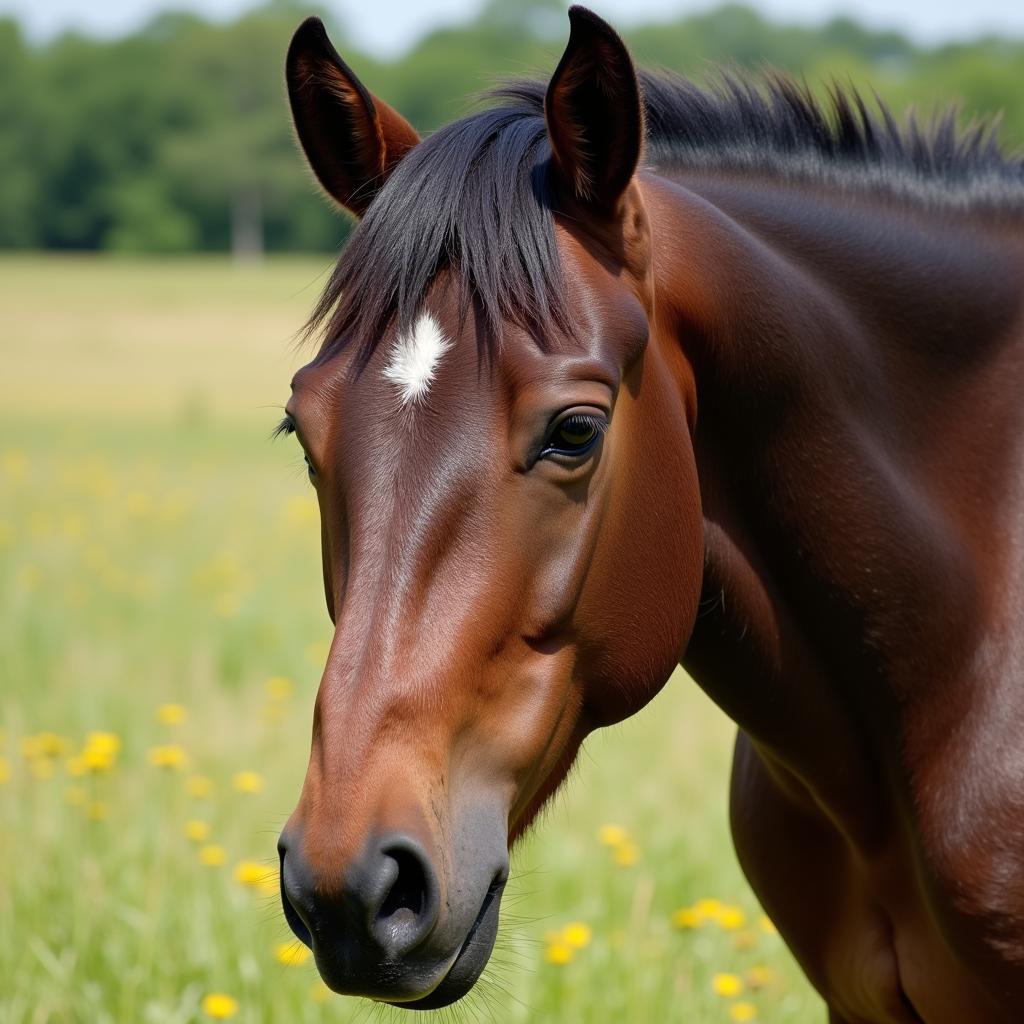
column 162, row 631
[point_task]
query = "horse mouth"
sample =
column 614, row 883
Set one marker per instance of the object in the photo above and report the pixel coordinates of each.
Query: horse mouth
column 468, row 963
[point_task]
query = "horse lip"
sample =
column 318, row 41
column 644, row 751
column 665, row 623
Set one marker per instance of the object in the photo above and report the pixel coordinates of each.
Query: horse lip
column 494, row 891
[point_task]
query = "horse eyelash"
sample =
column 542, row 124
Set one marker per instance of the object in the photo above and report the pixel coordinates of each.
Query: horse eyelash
column 285, row 427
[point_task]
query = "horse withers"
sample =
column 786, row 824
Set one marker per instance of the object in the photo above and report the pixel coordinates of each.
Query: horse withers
column 620, row 372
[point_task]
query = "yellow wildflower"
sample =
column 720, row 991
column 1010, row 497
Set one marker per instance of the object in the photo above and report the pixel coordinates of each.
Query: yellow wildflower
column 251, row 872
column 248, row 782
column 171, row 714
column 612, row 835
column 625, row 854
column 708, row 908
column 199, row 786
column 766, row 925
column 730, row 918
column 49, row 744
column 92, row 759
column 219, row 1006
column 279, row 688
column 196, row 830
column 98, row 754
column 213, row 856
column 743, row 1011
column 169, row 755
column 687, row 917
column 291, row 954
column 577, row 934
column 727, row 985
column 558, row 953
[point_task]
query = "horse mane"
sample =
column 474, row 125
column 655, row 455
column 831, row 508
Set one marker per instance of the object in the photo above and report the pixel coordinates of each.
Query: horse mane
column 474, row 197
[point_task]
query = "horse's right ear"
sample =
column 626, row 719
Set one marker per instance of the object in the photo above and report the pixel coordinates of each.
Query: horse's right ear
column 351, row 139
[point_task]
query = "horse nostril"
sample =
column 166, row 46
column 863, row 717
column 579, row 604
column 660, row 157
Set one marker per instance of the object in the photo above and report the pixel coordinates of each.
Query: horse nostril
column 407, row 893
column 410, row 906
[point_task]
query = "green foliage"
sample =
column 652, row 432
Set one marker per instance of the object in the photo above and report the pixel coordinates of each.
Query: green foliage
column 178, row 137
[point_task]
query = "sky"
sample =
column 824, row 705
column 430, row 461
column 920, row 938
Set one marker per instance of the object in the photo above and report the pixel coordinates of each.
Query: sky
column 387, row 27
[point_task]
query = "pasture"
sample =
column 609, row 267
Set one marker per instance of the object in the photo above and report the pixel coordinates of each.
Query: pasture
column 162, row 631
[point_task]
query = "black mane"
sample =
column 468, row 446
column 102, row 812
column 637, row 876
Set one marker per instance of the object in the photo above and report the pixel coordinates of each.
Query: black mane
column 475, row 198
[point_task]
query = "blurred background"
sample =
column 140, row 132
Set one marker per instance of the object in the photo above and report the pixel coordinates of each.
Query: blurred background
column 162, row 626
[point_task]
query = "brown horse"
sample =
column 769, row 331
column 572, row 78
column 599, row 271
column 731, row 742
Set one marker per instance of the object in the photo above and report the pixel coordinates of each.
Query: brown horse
column 622, row 372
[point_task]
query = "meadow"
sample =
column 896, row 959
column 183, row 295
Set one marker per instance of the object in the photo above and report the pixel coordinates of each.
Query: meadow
column 162, row 632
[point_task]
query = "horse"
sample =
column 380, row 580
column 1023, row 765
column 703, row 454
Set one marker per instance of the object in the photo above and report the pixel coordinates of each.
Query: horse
column 617, row 373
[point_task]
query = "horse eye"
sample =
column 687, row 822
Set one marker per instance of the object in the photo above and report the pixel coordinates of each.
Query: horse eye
column 575, row 435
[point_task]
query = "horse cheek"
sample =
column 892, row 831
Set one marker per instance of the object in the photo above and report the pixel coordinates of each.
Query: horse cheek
column 645, row 582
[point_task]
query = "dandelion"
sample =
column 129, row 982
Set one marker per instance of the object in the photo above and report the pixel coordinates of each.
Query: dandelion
column 743, row 1011
column 196, row 830
column 213, row 856
column 766, row 925
column 199, row 786
column 708, row 908
column 559, row 953
column 248, row 782
column 291, row 954
column 219, row 1006
column 171, row 714
column 251, row 872
column 612, row 835
column 577, row 935
column 727, row 985
column 52, row 745
column 625, row 854
column 730, row 919
column 92, row 759
column 98, row 755
column 168, row 755
column 687, row 918
column 279, row 688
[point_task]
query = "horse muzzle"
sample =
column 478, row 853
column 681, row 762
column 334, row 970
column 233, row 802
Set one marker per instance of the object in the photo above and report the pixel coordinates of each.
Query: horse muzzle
column 390, row 926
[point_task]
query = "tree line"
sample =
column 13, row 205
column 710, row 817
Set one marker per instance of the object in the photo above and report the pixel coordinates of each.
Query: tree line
column 177, row 137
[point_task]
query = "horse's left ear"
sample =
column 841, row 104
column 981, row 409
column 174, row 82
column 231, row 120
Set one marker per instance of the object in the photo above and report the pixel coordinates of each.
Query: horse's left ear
column 594, row 113
column 352, row 139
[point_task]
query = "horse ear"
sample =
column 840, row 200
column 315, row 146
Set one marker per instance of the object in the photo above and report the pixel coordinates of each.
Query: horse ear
column 594, row 112
column 351, row 139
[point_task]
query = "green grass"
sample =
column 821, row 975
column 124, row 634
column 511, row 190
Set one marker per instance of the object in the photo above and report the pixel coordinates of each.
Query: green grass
column 155, row 547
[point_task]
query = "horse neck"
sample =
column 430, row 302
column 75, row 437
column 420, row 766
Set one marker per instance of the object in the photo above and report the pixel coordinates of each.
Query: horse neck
column 858, row 365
